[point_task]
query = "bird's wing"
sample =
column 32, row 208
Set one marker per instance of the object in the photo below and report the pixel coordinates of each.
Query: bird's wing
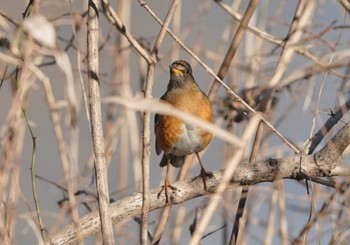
column 156, row 124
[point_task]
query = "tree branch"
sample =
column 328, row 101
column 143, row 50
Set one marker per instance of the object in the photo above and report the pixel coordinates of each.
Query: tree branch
column 325, row 163
column 96, row 123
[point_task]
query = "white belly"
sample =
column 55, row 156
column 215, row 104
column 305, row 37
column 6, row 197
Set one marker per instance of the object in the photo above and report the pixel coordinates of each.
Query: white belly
column 189, row 141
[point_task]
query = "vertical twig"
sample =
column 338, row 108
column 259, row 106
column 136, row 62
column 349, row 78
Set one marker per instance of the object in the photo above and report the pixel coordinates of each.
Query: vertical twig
column 271, row 217
column 146, row 127
column 146, row 155
column 96, row 123
column 244, row 191
column 32, row 173
column 282, row 210
column 175, row 51
column 121, row 82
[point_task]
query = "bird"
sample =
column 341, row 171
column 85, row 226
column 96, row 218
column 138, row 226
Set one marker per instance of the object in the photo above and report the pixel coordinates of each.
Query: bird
column 175, row 138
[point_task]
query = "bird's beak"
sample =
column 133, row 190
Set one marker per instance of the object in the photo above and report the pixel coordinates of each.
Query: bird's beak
column 175, row 70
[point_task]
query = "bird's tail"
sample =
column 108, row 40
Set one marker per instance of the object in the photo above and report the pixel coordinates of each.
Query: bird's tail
column 176, row 161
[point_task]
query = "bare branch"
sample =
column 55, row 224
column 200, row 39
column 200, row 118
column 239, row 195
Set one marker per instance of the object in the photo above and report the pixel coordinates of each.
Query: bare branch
column 321, row 164
column 96, row 123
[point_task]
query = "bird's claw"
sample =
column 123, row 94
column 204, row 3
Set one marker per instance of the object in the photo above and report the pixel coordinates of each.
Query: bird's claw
column 204, row 175
column 165, row 189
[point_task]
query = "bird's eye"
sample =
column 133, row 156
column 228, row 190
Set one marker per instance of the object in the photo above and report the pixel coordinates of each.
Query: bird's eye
column 187, row 71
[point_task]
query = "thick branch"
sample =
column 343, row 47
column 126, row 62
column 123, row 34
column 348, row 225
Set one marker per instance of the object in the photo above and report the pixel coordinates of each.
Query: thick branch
column 324, row 163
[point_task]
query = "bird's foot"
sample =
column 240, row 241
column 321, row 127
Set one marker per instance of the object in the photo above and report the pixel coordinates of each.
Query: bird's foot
column 165, row 189
column 205, row 175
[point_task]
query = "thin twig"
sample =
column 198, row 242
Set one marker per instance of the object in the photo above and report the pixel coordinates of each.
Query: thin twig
column 32, row 173
column 271, row 217
column 146, row 135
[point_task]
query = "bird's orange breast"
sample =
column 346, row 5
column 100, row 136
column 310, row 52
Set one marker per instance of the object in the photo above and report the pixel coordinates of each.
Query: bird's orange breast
column 173, row 135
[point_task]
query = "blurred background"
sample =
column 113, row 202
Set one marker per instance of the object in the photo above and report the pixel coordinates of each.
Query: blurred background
column 313, row 85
